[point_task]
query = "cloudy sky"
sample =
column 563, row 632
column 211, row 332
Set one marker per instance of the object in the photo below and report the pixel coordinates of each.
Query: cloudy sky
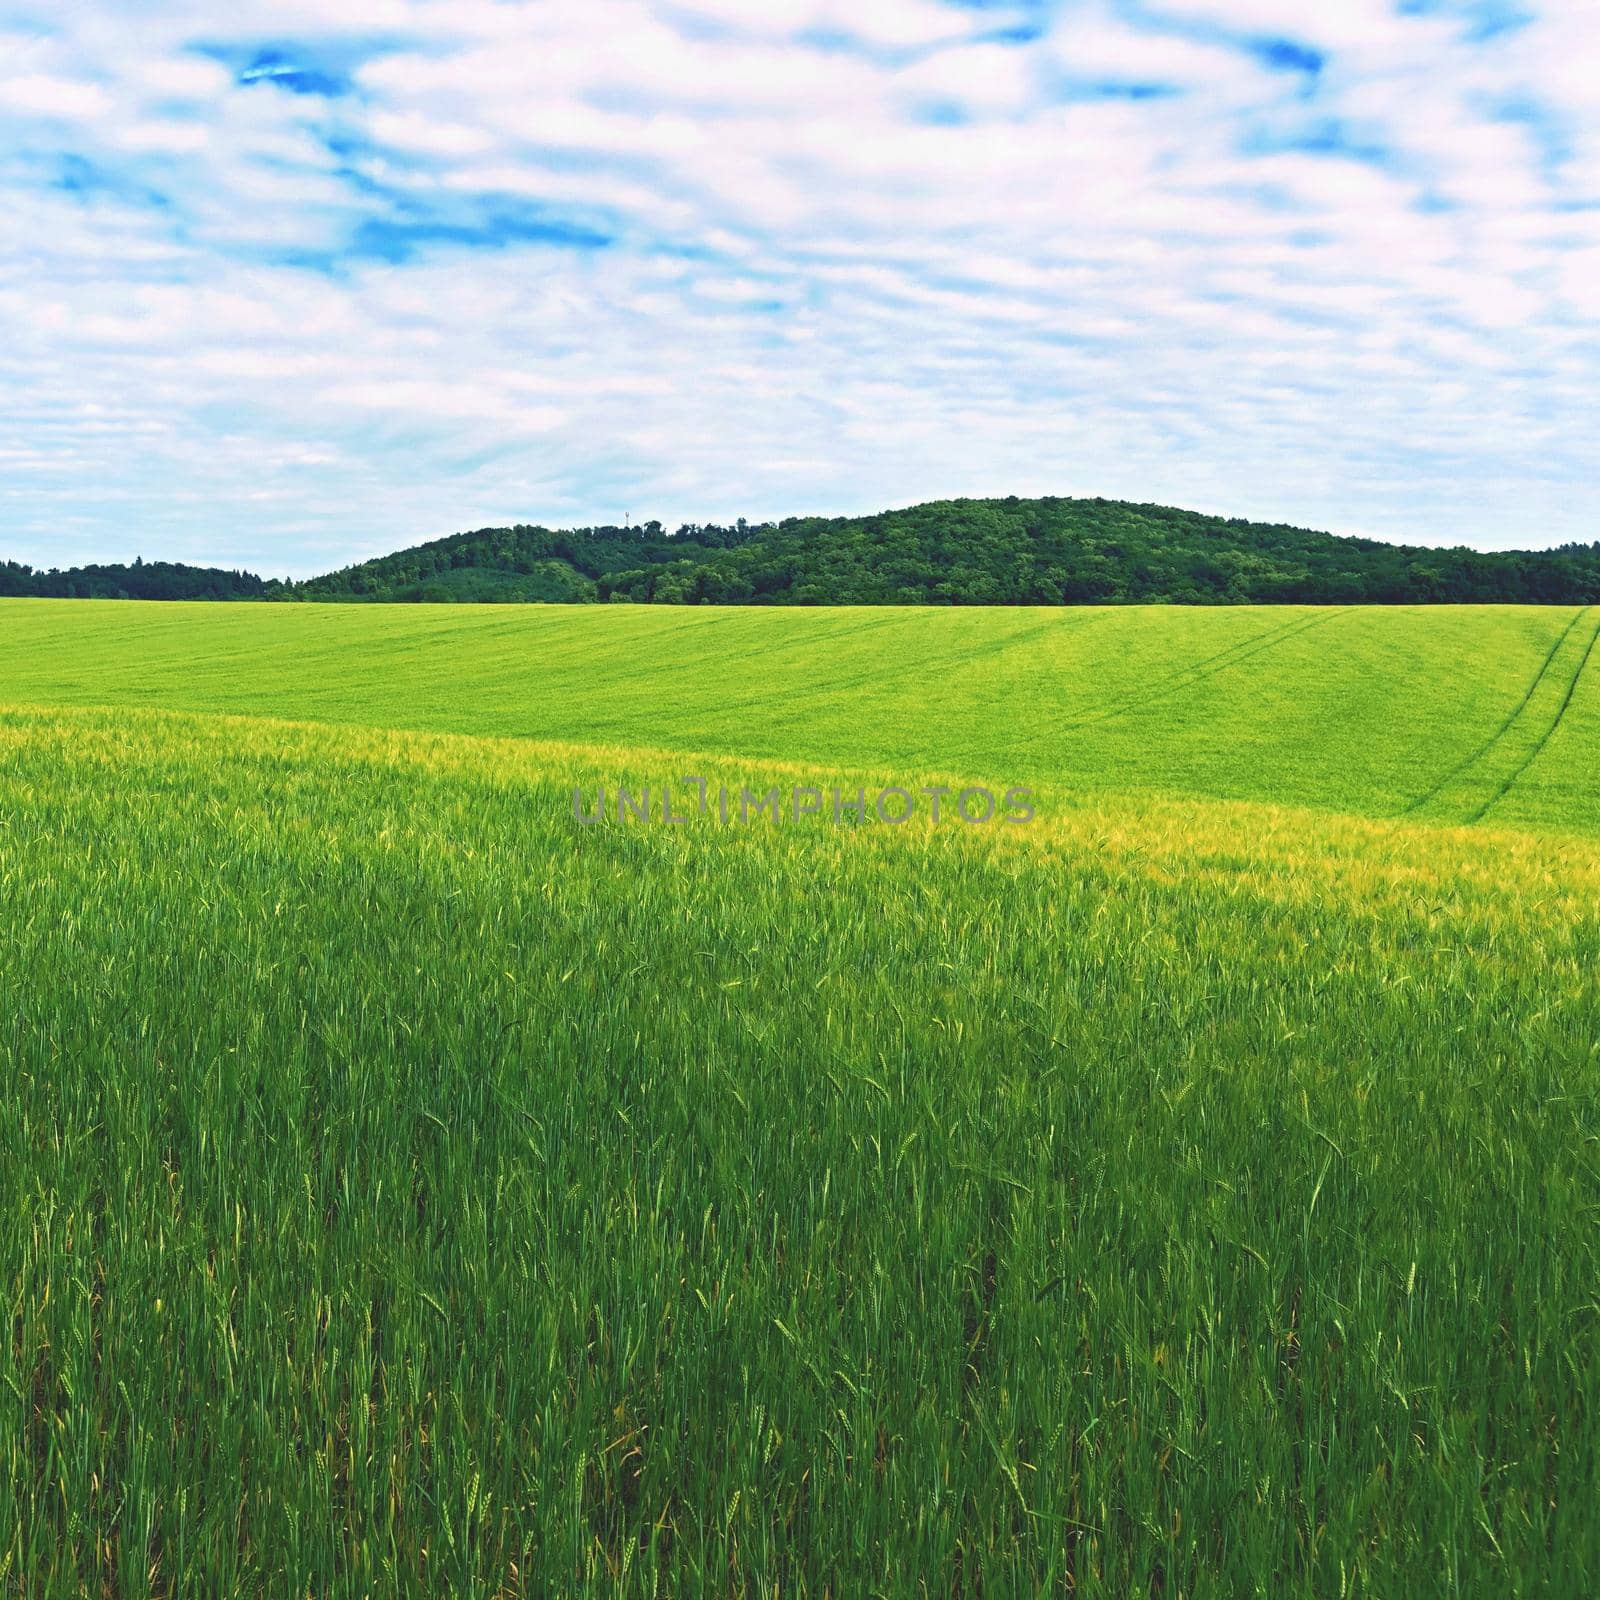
column 283, row 291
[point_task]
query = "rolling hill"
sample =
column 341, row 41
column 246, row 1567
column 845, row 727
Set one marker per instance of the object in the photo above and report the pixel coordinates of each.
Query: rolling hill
column 955, row 552
column 1455, row 714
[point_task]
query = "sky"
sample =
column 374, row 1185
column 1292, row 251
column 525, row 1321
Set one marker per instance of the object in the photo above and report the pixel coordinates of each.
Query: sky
column 285, row 285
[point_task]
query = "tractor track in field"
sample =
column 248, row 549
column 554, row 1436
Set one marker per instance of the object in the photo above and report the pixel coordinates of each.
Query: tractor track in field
column 1549, row 733
column 1201, row 671
column 1489, row 744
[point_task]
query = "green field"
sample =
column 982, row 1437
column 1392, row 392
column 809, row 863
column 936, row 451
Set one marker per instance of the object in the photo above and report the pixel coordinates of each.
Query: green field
column 407, row 1190
column 1451, row 713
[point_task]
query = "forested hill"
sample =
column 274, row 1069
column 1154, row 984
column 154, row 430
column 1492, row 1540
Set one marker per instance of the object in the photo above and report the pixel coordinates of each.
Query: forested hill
column 961, row 552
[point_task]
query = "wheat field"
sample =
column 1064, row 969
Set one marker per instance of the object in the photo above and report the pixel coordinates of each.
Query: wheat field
column 406, row 1188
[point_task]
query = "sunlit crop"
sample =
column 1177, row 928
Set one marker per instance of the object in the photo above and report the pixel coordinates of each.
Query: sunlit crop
column 407, row 1189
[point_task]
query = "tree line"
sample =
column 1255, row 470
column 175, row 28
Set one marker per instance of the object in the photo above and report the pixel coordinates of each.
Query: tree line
column 138, row 580
column 954, row 552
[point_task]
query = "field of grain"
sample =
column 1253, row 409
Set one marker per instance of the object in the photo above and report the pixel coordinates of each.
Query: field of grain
column 1457, row 714
column 407, row 1189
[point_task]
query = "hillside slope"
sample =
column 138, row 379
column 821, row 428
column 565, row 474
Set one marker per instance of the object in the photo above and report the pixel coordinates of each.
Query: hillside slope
column 952, row 552
column 972, row 552
column 1445, row 714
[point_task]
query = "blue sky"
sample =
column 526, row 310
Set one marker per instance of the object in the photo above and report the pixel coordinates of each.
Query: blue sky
column 286, row 284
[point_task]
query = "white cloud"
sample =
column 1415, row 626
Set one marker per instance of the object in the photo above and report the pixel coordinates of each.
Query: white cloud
column 45, row 95
column 1368, row 26
column 557, row 261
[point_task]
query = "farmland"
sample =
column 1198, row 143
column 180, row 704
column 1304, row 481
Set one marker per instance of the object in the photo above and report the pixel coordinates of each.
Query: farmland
column 1373, row 711
column 404, row 1189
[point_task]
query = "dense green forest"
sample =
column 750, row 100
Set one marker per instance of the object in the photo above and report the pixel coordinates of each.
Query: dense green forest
column 950, row 552
column 141, row 580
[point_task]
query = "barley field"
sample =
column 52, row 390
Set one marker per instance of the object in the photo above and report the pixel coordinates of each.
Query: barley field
column 406, row 1188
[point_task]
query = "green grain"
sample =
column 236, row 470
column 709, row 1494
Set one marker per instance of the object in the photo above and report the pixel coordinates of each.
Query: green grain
column 406, row 1190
